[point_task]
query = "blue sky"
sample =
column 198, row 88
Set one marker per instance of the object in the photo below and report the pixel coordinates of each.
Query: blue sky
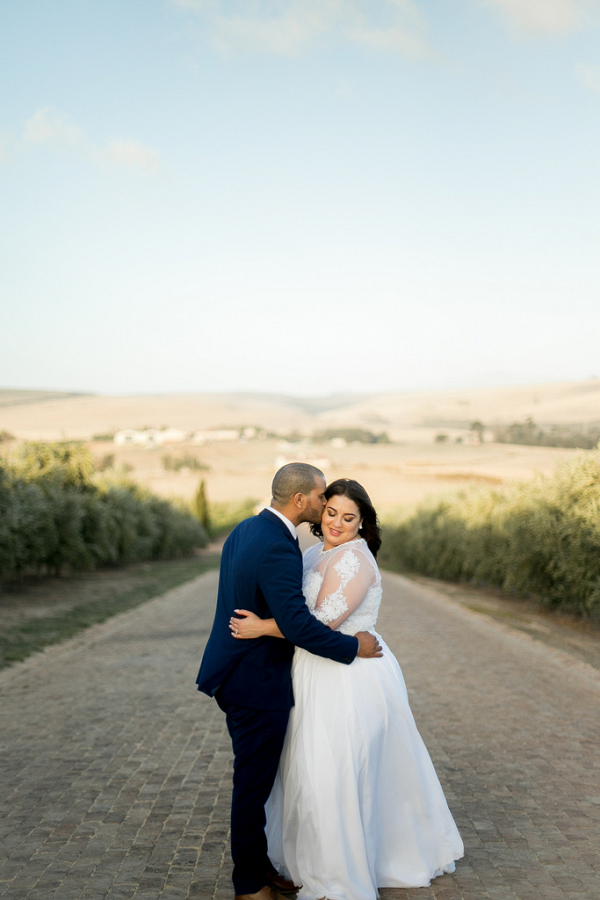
column 303, row 196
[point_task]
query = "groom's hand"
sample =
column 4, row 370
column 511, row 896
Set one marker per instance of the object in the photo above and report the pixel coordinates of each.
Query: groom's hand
column 368, row 645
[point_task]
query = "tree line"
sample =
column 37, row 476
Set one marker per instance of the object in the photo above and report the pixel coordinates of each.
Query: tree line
column 59, row 514
column 537, row 538
column 575, row 436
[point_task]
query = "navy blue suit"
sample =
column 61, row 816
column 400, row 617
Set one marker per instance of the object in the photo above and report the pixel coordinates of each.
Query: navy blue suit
column 261, row 570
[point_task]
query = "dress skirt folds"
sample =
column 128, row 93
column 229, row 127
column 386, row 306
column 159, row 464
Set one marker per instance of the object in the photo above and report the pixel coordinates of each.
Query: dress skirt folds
column 357, row 803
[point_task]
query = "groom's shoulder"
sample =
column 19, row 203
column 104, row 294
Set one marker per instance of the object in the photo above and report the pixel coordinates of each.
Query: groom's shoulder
column 264, row 527
column 267, row 522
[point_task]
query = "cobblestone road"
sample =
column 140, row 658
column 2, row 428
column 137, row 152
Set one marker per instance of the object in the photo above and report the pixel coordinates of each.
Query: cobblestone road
column 116, row 772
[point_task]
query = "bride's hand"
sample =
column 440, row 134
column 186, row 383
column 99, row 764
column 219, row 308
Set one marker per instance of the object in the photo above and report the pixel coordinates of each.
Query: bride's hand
column 251, row 626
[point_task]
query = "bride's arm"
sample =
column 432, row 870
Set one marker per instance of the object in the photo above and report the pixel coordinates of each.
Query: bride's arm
column 345, row 586
column 251, row 626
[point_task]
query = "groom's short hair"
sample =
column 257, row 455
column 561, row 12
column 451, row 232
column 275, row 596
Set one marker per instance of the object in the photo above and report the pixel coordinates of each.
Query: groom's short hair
column 295, row 478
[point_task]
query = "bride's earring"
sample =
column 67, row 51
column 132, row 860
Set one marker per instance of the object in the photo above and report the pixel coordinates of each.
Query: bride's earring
column 360, row 527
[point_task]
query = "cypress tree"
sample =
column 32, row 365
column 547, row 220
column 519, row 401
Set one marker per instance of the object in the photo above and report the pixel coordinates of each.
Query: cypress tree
column 201, row 506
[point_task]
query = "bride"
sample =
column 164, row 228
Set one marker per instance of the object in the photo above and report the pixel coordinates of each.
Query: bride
column 357, row 804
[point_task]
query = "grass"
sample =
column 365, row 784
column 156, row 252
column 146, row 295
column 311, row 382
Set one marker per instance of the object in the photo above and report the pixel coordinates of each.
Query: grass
column 49, row 613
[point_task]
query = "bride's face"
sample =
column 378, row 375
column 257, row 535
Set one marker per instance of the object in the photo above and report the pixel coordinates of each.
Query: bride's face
column 340, row 522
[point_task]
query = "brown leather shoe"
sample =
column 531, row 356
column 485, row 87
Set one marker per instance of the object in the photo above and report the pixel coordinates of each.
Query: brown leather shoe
column 283, row 885
column 266, row 893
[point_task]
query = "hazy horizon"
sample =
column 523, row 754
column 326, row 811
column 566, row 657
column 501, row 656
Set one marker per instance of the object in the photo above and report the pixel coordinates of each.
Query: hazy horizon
column 295, row 395
column 351, row 396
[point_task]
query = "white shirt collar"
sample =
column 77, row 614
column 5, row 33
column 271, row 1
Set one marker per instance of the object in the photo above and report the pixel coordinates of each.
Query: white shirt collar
column 283, row 518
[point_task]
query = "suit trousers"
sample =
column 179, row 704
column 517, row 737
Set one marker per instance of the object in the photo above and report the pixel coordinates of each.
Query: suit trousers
column 257, row 737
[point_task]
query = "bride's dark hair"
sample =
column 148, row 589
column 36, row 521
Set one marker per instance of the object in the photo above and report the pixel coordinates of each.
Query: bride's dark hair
column 346, row 487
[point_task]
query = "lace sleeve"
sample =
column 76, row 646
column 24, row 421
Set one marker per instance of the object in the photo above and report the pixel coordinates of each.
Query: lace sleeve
column 346, row 582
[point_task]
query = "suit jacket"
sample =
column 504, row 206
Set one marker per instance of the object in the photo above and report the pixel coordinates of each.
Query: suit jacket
column 261, row 570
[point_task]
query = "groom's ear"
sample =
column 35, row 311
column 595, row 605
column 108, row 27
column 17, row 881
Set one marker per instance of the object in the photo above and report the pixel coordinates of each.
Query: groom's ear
column 299, row 500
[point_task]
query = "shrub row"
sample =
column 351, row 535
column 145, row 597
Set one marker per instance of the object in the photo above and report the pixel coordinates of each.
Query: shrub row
column 539, row 538
column 527, row 432
column 58, row 514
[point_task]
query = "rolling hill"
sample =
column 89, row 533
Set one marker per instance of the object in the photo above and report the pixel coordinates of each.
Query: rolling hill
column 54, row 416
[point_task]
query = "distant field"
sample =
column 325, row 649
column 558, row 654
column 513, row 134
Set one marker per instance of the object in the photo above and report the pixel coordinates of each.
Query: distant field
column 397, row 474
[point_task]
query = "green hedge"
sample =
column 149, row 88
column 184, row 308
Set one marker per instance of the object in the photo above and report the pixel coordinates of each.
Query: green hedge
column 224, row 516
column 539, row 538
column 57, row 514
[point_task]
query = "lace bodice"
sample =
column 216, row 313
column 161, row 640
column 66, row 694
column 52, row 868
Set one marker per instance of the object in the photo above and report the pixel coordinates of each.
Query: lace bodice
column 342, row 586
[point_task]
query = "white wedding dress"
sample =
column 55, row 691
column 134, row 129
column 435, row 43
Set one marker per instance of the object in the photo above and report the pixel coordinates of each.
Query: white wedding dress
column 357, row 804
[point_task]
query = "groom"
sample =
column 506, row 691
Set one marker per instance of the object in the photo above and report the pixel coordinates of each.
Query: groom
column 261, row 570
